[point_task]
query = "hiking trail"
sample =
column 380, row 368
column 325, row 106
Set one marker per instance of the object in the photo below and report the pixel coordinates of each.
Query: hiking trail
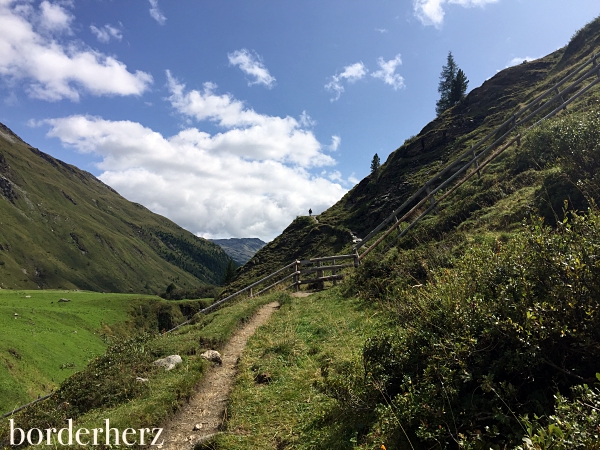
column 201, row 418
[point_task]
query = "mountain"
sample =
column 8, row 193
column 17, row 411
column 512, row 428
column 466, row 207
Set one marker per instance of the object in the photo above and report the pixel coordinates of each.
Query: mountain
column 61, row 227
column 241, row 250
column 425, row 154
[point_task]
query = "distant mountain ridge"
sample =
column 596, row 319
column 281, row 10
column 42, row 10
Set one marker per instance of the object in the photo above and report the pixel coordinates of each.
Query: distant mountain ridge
column 241, row 250
column 61, row 227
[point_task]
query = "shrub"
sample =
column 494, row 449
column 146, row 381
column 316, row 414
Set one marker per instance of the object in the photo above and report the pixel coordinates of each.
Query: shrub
column 496, row 336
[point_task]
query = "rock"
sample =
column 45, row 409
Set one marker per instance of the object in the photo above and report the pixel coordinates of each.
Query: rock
column 169, row 362
column 64, row 300
column 212, row 355
column 197, row 426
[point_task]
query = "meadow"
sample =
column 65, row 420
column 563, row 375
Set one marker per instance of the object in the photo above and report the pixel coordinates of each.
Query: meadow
column 43, row 340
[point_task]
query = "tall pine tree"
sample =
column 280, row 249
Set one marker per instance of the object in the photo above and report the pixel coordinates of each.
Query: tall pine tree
column 452, row 87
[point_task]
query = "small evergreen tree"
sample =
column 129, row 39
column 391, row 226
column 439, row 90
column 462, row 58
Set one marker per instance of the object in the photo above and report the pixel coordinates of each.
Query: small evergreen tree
column 375, row 164
column 459, row 87
column 452, row 87
column 229, row 273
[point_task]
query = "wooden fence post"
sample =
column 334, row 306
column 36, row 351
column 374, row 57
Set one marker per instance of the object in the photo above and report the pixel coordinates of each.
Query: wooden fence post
column 431, row 199
column 476, row 163
column 297, row 276
column 334, row 272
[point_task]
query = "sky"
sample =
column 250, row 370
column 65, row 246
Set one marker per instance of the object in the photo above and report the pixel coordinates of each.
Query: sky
column 232, row 118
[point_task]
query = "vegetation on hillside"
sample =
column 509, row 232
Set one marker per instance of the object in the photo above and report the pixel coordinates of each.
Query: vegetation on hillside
column 109, row 387
column 62, row 228
column 44, row 340
column 490, row 309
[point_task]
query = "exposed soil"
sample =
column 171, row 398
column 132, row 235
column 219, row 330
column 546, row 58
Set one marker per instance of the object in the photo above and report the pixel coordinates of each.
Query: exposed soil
column 201, row 418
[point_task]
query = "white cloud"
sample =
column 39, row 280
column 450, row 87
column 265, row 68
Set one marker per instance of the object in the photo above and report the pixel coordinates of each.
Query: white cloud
column 351, row 74
column 431, row 12
column 55, row 18
column 387, row 72
column 382, row 30
column 106, row 33
column 249, row 134
column 156, row 13
column 251, row 64
column 515, row 61
column 336, row 175
column 335, row 143
column 352, row 179
column 51, row 70
column 203, row 182
column 306, row 121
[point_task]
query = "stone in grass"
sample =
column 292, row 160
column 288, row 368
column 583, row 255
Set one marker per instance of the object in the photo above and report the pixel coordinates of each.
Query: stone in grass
column 64, row 300
column 169, row 362
column 212, row 355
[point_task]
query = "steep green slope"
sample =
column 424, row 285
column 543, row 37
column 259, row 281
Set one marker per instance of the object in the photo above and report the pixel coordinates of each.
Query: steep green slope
column 61, row 227
column 425, row 154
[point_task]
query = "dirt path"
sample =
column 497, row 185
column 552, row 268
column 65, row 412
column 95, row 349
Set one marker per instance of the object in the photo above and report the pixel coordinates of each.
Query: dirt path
column 207, row 407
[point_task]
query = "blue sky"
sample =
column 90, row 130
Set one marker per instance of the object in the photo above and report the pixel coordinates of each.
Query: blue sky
column 233, row 117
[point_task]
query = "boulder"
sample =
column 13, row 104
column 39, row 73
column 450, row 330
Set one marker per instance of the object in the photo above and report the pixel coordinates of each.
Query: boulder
column 212, row 355
column 169, row 362
column 64, row 300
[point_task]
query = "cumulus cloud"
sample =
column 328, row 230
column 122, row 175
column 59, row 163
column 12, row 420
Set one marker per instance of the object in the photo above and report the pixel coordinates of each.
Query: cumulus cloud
column 156, row 13
column 51, row 69
column 106, row 33
column 350, row 74
column 201, row 181
column 55, row 18
column 251, row 178
column 431, row 12
column 387, row 72
column 251, row 64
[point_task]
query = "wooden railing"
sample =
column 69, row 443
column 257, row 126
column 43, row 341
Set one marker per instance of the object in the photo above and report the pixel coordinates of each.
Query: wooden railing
column 474, row 157
column 443, row 184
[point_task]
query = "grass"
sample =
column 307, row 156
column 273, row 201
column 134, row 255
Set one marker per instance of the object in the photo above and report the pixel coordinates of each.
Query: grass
column 139, row 404
column 309, row 335
column 48, row 340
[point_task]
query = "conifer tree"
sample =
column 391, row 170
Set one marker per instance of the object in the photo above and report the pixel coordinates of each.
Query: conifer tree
column 375, row 164
column 452, row 87
column 229, row 273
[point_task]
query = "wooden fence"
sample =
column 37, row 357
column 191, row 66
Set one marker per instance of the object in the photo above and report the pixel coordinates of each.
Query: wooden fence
column 473, row 158
column 443, row 184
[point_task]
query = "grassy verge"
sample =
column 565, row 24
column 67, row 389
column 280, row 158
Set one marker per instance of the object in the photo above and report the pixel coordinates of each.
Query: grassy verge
column 44, row 340
column 277, row 401
column 107, row 387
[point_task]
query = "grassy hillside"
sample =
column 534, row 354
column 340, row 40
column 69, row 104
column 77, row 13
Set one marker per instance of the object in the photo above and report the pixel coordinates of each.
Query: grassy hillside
column 488, row 311
column 62, row 228
column 43, row 340
column 107, row 387
column 425, row 154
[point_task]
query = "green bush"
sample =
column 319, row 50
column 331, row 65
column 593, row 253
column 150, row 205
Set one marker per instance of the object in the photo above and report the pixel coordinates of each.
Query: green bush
column 574, row 424
column 494, row 337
